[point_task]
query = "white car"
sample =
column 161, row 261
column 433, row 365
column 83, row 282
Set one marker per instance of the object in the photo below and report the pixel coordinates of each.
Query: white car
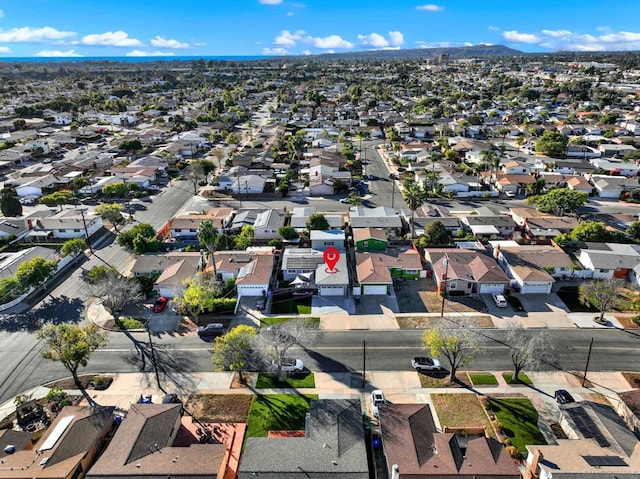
column 500, row 300
column 509, row 194
column 291, row 365
column 423, row 363
column 377, row 398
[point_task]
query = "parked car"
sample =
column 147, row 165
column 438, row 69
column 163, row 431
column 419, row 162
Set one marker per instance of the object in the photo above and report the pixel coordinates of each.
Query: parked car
column 500, row 300
column 290, row 365
column 171, row 398
column 563, row 397
column 424, row 363
column 344, row 200
column 377, row 398
column 509, row 194
column 145, row 399
column 211, row 330
column 159, row 305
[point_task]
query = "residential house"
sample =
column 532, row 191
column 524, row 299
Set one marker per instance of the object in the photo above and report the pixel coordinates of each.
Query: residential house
column 615, row 149
column 331, row 445
column 415, row 448
column 254, row 278
column 599, row 446
column 381, row 217
column 369, row 239
column 580, row 183
column 241, row 219
column 247, row 185
column 541, row 227
column 613, row 186
column 64, row 224
column 528, row 267
column 616, row 167
column 144, row 446
column 300, row 215
column 466, row 271
column 515, row 184
column 333, row 282
column 66, row 450
column 185, row 227
column 611, row 260
column 322, row 240
column 628, row 408
column 452, row 224
column 266, row 224
column 13, row 227
column 37, row 187
column 376, row 270
column 11, row 261
column 514, row 167
column 489, row 227
column 297, row 261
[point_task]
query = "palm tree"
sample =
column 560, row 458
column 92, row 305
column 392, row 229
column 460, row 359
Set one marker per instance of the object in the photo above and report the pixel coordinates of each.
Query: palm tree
column 207, row 234
column 414, row 198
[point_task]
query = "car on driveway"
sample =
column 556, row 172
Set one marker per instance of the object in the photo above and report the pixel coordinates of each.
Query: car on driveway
column 159, row 305
column 292, row 365
column 424, row 363
column 563, row 397
column 500, row 300
column 377, row 398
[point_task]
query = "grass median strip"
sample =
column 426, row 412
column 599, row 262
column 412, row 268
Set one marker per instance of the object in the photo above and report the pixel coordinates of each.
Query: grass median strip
column 270, row 381
column 483, row 379
column 277, row 412
column 522, row 379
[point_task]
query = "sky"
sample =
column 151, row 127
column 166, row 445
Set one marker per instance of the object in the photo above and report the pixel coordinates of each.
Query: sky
column 165, row 28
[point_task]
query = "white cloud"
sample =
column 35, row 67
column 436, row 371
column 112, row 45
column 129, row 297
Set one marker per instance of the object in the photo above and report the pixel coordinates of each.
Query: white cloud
column 289, row 14
column 141, row 53
column 517, row 37
column 396, row 38
column 275, row 51
column 33, row 35
column 113, row 39
column 58, row 53
column 306, row 52
column 5, row 50
column 491, row 28
column 556, row 33
column 161, row 42
column 270, row 2
column 430, row 7
column 1, row 13
column 423, row 44
column 374, row 40
column 330, row 42
column 288, row 39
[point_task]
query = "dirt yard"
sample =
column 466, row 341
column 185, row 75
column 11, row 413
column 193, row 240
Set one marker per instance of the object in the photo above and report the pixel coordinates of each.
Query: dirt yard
column 424, row 322
column 222, row 408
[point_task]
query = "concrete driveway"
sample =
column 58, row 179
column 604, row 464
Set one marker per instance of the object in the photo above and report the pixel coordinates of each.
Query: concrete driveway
column 542, row 303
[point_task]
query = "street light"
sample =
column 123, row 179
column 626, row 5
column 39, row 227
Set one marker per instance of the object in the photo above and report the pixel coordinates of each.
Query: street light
column 445, row 261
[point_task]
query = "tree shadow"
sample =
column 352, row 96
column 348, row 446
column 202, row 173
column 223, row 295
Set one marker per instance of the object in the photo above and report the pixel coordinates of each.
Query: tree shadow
column 54, row 310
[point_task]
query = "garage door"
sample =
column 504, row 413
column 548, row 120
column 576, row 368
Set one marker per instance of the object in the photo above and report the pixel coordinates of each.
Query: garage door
column 332, row 291
column 536, row 288
column 491, row 288
column 375, row 289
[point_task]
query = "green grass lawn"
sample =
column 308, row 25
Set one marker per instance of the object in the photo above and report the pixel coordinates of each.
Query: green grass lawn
column 519, row 420
column 291, row 306
column 277, row 412
column 302, row 380
column 266, row 321
column 484, row 379
column 523, row 379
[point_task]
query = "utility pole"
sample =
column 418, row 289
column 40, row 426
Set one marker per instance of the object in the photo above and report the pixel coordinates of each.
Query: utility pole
column 364, row 362
column 393, row 192
column 86, row 231
column 444, row 282
column 586, row 366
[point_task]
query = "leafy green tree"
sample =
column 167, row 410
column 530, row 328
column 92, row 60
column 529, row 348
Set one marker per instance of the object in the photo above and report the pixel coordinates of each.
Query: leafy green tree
column 117, row 189
column 73, row 247
column 111, row 212
column 57, row 198
column 19, row 124
column 288, row 233
column 560, row 201
column 552, row 143
column 634, row 230
column 207, row 234
column 9, row 203
column 96, row 273
column 436, row 234
column 10, row 289
column 456, row 341
column 245, row 238
column 145, row 235
column 132, row 145
column 36, row 271
column 414, row 198
column 603, row 294
column 355, row 199
column 529, row 351
column 317, row 221
column 71, row 345
column 590, row 231
column 234, row 351
column 224, row 242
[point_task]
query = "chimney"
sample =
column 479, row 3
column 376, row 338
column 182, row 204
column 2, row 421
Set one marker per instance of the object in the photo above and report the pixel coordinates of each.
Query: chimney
column 395, row 472
column 496, row 252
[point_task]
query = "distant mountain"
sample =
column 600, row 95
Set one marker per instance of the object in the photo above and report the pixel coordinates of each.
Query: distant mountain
column 453, row 52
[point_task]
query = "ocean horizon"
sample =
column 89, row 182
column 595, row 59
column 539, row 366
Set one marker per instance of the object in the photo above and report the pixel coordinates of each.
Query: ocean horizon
column 126, row 59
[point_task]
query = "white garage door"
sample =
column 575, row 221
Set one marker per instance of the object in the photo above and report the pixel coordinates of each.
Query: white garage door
column 536, row 288
column 332, row 291
column 375, row 289
column 491, row 288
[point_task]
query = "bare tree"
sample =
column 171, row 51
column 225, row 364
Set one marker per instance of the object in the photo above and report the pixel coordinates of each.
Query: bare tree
column 115, row 291
column 529, row 350
column 195, row 175
column 601, row 293
column 455, row 340
column 276, row 341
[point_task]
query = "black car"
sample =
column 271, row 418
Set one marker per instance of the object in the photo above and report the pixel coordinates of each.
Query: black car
column 211, row 330
column 171, row 398
column 563, row 397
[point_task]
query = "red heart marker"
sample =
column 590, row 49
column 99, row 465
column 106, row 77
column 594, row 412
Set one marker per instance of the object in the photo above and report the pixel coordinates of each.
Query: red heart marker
column 331, row 257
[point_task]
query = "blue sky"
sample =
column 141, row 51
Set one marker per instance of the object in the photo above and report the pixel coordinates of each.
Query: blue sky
column 301, row 27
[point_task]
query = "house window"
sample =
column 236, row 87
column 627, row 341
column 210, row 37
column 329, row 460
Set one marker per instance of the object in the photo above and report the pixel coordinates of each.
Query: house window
column 62, row 231
column 328, row 243
column 178, row 230
column 365, row 244
column 468, row 285
column 76, row 231
column 453, row 286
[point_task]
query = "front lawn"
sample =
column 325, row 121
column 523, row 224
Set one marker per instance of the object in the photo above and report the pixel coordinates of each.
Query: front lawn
column 291, row 306
column 277, row 412
column 522, row 379
column 460, row 410
column 483, row 379
column 519, row 421
column 301, row 380
column 270, row 321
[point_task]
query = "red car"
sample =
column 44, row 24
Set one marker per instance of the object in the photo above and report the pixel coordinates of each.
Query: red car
column 160, row 304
